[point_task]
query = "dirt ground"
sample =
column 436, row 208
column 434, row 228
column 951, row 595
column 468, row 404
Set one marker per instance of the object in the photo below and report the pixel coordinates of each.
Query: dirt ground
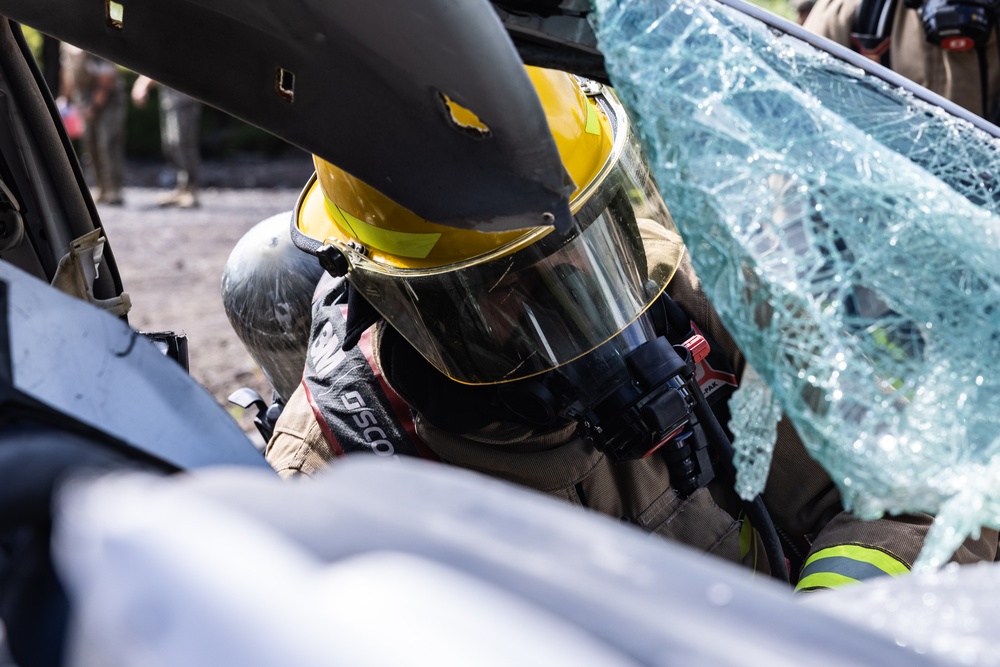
column 171, row 262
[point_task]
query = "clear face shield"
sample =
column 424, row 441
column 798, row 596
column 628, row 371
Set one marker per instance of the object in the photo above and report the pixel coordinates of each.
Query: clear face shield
column 516, row 314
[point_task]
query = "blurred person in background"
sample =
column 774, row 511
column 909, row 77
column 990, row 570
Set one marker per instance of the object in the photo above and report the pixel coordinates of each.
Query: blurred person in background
column 96, row 88
column 180, row 119
column 803, row 9
column 946, row 46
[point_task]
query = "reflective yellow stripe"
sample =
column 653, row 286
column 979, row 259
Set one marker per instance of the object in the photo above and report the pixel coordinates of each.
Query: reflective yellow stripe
column 747, row 539
column 746, row 535
column 593, row 121
column 879, row 559
column 401, row 244
column 847, row 564
column 824, row 580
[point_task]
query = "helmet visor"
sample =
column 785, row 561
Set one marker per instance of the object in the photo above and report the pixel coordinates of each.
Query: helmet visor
column 515, row 314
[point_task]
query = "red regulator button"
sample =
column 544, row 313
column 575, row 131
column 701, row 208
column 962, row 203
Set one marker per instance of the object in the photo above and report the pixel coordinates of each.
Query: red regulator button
column 698, row 347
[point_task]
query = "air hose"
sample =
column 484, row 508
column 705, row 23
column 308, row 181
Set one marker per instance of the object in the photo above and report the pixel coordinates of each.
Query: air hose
column 756, row 511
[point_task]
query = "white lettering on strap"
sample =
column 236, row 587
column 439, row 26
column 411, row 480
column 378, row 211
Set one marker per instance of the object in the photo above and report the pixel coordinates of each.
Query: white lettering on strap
column 325, row 351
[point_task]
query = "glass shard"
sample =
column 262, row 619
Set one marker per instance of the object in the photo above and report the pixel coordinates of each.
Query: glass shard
column 847, row 232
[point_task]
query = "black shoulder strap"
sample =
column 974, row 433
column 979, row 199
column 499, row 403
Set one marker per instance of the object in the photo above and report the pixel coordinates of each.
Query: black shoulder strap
column 355, row 411
column 872, row 33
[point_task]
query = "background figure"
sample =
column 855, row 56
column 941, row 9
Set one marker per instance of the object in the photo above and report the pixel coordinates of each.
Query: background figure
column 967, row 75
column 180, row 118
column 802, row 10
column 97, row 89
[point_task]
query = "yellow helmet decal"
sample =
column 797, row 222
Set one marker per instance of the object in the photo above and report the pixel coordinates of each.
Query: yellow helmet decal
column 331, row 210
column 593, row 120
column 405, row 244
column 582, row 130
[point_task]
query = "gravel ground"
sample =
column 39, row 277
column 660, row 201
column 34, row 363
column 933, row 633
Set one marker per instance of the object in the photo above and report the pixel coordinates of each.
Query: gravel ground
column 171, row 263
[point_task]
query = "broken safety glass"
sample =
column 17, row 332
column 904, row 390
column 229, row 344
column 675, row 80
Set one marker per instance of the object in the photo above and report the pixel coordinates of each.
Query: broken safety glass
column 846, row 228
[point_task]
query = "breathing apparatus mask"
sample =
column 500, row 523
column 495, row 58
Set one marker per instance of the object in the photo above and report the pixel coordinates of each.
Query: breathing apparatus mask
column 633, row 396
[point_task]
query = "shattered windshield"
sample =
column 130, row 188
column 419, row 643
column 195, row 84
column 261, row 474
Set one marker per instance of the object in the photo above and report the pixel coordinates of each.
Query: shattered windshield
column 847, row 232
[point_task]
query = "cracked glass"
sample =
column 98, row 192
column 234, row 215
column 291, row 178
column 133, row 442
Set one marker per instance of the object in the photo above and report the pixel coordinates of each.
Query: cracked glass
column 846, row 230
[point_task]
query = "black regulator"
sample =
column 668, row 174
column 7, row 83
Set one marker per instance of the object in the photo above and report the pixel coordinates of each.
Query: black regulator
column 656, row 411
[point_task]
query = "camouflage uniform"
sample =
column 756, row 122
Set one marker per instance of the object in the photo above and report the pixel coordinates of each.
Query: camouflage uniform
column 97, row 88
column 180, row 117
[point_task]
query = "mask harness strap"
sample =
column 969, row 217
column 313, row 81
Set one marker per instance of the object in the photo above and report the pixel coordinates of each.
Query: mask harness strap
column 352, row 408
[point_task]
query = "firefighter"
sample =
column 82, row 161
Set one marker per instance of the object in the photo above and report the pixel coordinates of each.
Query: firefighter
column 588, row 365
column 946, row 46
